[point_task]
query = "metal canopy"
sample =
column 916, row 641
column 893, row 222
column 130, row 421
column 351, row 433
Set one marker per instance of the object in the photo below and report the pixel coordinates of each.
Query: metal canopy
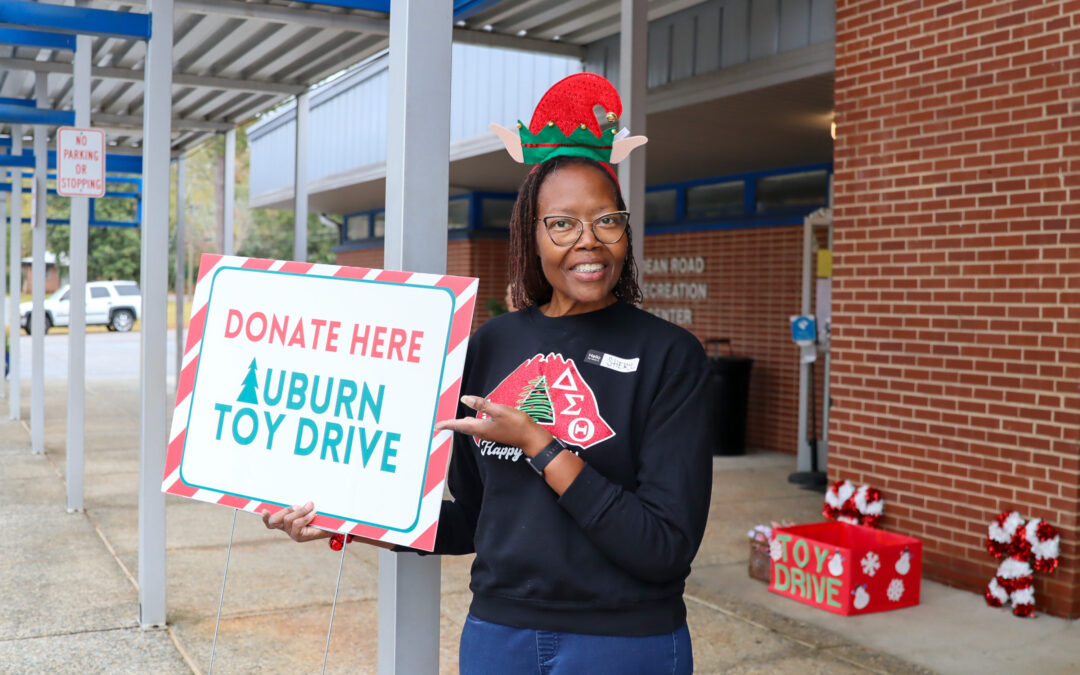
column 574, row 23
column 234, row 59
column 231, row 59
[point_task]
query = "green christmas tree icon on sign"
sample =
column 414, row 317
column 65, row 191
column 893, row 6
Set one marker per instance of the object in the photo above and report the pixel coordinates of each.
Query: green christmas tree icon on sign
column 251, row 384
column 535, row 401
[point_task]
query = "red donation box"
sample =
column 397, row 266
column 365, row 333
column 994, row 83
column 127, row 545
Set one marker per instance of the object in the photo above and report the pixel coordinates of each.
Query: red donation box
column 846, row 569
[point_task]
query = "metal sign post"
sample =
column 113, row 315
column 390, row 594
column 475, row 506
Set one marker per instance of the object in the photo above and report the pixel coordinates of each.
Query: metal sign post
column 417, row 189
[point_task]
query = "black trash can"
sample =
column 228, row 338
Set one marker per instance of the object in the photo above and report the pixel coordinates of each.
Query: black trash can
column 729, row 392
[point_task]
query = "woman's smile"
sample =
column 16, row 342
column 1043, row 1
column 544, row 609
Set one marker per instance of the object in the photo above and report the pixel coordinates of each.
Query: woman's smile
column 583, row 274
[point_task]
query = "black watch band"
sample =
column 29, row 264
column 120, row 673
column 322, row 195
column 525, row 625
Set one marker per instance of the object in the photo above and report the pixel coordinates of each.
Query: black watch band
column 544, row 457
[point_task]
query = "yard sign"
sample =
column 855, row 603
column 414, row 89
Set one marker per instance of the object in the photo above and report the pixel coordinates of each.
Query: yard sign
column 319, row 382
column 80, row 162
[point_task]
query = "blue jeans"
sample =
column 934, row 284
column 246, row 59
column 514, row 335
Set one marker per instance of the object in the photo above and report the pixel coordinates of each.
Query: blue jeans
column 492, row 649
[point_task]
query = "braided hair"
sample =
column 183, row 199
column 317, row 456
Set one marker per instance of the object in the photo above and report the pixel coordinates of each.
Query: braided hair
column 528, row 285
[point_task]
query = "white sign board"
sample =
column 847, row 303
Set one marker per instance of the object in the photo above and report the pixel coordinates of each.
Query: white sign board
column 323, row 383
column 80, row 162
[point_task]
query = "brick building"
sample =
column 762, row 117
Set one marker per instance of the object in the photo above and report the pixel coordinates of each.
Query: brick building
column 956, row 317
column 955, row 177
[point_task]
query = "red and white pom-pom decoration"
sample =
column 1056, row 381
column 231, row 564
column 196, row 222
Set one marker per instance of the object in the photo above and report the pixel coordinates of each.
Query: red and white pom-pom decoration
column 858, row 506
column 1026, row 549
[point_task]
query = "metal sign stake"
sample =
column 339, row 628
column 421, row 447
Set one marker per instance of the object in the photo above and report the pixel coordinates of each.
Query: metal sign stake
column 333, row 605
column 221, row 597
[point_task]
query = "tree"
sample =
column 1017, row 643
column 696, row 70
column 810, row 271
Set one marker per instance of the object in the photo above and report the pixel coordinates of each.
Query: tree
column 251, row 384
column 535, row 401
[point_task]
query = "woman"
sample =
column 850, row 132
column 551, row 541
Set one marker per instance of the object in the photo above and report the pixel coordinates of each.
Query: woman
column 581, row 469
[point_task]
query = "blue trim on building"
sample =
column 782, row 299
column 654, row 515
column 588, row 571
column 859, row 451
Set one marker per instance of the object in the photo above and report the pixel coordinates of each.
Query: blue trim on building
column 77, row 20
column 20, row 114
column 749, row 217
column 36, row 38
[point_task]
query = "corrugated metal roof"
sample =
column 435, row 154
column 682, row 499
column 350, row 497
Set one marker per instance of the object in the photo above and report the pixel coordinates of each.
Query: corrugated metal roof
column 226, row 68
column 231, row 66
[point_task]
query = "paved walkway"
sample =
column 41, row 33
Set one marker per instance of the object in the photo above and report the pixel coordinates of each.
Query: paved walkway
column 68, row 582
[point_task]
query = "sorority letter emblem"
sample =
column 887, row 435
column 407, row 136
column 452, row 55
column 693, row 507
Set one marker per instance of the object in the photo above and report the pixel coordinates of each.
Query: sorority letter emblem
column 551, row 391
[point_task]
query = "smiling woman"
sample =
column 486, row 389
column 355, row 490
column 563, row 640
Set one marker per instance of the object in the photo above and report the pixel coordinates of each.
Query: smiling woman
column 582, row 466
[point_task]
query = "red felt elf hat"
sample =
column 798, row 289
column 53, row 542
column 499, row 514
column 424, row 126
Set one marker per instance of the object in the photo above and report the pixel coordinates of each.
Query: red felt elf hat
column 564, row 124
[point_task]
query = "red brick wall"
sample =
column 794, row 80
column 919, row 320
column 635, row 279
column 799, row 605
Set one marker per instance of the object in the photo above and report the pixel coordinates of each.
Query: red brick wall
column 956, row 317
column 754, row 283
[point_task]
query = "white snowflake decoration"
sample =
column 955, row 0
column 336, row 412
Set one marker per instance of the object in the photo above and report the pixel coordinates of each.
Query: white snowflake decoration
column 896, row 590
column 776, row 550
column 871, row 564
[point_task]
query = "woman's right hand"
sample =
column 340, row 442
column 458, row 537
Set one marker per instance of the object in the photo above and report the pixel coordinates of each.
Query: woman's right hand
column 296, row 522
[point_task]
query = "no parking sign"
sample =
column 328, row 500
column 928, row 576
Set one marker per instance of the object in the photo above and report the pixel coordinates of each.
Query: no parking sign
column 80, row 162
column 320, row 382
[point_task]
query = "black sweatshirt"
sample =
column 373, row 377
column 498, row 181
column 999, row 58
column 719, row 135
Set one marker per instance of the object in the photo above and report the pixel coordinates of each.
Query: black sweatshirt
column 626, row 391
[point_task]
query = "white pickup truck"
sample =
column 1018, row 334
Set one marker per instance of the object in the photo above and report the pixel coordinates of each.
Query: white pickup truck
column 115, row 304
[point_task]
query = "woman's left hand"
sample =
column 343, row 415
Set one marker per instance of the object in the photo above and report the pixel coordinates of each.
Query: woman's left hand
column 502, row 424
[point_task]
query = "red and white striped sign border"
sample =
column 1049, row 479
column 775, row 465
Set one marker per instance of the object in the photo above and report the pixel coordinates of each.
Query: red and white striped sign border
column 464, row 290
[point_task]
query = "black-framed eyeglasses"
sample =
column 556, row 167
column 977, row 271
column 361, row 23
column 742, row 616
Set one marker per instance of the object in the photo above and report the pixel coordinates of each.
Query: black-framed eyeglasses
column 566, row 230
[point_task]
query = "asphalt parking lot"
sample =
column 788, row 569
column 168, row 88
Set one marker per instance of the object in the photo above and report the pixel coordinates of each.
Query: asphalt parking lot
column 107, row 355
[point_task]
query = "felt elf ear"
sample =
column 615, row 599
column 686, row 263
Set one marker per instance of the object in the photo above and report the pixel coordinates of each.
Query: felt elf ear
column 512, row 141
column 622, row 147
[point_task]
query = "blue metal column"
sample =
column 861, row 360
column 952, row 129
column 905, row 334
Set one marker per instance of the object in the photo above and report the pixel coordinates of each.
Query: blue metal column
column 15, row 290
column 37, row 272
column 153, row 434
column 417, row 189
column 80, row 217
column 633, row 67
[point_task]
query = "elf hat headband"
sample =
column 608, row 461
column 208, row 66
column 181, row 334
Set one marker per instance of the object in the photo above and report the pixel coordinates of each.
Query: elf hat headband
column 564, row 124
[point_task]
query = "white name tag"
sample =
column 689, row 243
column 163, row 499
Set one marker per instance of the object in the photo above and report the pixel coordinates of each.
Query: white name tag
column 611, row 362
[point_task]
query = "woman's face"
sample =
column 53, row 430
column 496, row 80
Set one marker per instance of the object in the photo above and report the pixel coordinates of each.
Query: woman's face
column 583, row 275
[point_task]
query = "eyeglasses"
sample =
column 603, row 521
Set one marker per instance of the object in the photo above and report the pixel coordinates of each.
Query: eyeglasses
column 566, row 230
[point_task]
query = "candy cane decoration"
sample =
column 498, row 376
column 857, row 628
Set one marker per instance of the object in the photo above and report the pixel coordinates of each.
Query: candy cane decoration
column 859, row 506
column 1026, row 549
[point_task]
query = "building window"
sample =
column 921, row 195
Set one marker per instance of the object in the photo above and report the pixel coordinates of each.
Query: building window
column 356, row 227
column 792, row 192
column 380, row 224
column 661, row 206
column 458, row 214
column 495, row 212
column 715, row 200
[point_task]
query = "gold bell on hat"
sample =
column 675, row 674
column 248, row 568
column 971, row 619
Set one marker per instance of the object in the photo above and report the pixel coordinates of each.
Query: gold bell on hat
column 612, row 117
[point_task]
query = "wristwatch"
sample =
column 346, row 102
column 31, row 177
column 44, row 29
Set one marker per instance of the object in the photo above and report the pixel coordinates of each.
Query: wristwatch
column 544, row 457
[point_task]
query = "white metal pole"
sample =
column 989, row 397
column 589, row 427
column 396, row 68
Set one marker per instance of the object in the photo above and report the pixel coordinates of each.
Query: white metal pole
column 157, row 128
column 228, row 241
column 37, row 271
column 633, row 68
column 15, row 291
column 181, row 276
column 417, row 190
column 300, row 191
column 80, row 216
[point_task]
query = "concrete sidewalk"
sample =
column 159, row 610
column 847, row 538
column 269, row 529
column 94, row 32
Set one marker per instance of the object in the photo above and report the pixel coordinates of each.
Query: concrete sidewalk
column 68, row 581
